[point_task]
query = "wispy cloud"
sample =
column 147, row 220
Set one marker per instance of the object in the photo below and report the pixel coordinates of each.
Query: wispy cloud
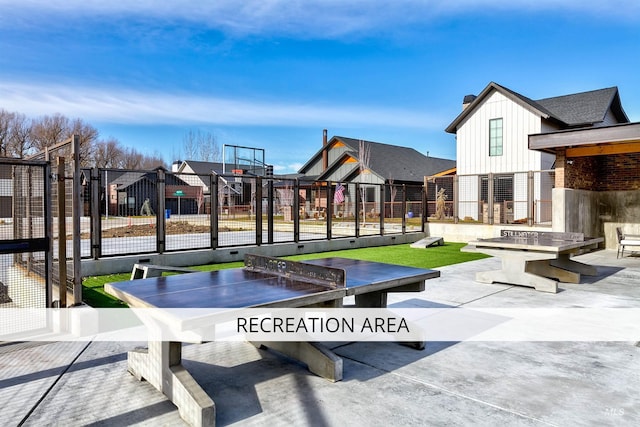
column 302, row 18
column 123, row 106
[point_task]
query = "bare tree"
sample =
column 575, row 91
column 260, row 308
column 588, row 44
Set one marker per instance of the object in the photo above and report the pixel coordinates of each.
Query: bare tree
column 47, row 131
column 189, row 146
column 152, row 161
column 6, row 119
column 88, row 136
column 201, row 146
column 21, row 142
column 108, row 154
column 15, row 134
column 209, row 150
column 132, row 159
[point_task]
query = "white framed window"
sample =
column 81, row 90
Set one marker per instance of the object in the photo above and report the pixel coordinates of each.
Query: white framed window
column 495, row 137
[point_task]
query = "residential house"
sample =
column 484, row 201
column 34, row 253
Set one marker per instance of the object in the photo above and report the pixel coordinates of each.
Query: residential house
column 130, row 191
column 492, row 137
column 232, row 191
column 339, row 161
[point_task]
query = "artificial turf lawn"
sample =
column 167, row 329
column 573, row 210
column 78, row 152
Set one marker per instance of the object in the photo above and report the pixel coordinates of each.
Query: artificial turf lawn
column 433, row 257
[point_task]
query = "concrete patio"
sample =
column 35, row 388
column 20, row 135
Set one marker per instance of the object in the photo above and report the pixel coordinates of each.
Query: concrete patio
column 385, row 384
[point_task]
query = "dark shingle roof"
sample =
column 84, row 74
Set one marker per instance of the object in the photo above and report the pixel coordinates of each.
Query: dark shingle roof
column 578, row 109
column 204, row 168
column 584, row 108
column 128, row 178
column 398, row 163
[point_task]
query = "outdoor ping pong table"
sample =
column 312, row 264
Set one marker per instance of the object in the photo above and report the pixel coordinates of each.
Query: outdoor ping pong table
column 536, row 259
column 263, row 282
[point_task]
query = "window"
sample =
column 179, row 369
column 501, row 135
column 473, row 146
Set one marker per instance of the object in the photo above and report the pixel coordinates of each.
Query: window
column 495, row 137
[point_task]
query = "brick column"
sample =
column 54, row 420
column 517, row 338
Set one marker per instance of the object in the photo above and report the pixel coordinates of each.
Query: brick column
column 560, row 165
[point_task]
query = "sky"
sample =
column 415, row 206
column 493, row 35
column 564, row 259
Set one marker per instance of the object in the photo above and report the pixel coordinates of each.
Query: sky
column 273, row 74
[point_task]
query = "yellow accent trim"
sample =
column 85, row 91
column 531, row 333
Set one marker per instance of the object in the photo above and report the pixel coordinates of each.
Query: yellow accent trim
column 603, row 149
column 451, row 171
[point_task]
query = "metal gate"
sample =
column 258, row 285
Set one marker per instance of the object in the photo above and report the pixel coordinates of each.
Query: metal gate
column 25, row 239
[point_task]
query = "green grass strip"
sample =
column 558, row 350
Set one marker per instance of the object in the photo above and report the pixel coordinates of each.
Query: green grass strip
column 433, row 257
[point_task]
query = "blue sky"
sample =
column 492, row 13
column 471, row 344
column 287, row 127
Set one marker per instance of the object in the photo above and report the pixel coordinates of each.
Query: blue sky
column 273, row 74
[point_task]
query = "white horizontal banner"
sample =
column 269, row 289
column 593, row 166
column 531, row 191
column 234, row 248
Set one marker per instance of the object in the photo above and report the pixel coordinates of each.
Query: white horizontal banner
column 321, row 324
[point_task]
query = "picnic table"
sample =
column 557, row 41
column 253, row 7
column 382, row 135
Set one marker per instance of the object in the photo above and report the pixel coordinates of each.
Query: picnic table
column 536, row 259
column 262, row 282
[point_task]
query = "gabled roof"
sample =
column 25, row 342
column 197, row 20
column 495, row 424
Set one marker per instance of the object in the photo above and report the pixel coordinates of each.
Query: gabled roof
column 586, row 108
column 578, row 109
column 128, row 178
column 387, row 161
column 202, row 168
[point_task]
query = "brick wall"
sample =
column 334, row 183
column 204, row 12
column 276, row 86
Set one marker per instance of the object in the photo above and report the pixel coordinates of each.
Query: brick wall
column 581, row 173
column 618, row 172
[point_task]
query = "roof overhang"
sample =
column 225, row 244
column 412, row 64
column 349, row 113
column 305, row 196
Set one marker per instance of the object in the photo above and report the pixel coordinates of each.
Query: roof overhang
column 617, row 139
column 451, row 171
column 492, row 86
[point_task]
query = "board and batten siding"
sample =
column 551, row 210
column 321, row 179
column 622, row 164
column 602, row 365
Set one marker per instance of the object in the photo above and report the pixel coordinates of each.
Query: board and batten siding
column 609, row 119
column 334, row 152
column 472, row 138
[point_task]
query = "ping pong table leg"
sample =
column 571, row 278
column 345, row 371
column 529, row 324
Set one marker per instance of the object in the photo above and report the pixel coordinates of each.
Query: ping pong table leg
column 515, row 272
column 565, row 262
column 319, row 359
column 376, row 299
column 160, row 366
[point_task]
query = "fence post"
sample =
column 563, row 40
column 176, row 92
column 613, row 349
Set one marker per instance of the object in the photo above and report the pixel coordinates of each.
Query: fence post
column 62, row 234
column 530, row 199
column 48, row 232
column 76, row 207
column 357, row 209
column 456, row 199
column 404, row 208
column 214, row 216
column 258, row 204
column 381, row 208
column 296, row 211
column 270, row 197
column 329, row 211
column 490, row 198
column 161, row 231
column 96, row 221
column 423, row 193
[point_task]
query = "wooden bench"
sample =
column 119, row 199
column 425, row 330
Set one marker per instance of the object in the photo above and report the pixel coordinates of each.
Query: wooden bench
column 142, row 271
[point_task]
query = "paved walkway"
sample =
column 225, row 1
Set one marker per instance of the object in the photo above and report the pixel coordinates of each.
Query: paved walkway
column 449, row 383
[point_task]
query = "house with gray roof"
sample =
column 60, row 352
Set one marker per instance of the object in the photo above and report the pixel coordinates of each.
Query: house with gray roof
column 131, row 190
column 338, row 161
column 493, row 131
column 493, row 128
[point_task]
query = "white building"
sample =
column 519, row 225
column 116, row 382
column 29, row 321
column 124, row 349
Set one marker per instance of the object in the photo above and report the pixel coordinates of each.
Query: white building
column 492, row 134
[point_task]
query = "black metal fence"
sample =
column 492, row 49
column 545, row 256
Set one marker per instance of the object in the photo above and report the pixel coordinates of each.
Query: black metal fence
column 138, row 212
column 25, row 225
